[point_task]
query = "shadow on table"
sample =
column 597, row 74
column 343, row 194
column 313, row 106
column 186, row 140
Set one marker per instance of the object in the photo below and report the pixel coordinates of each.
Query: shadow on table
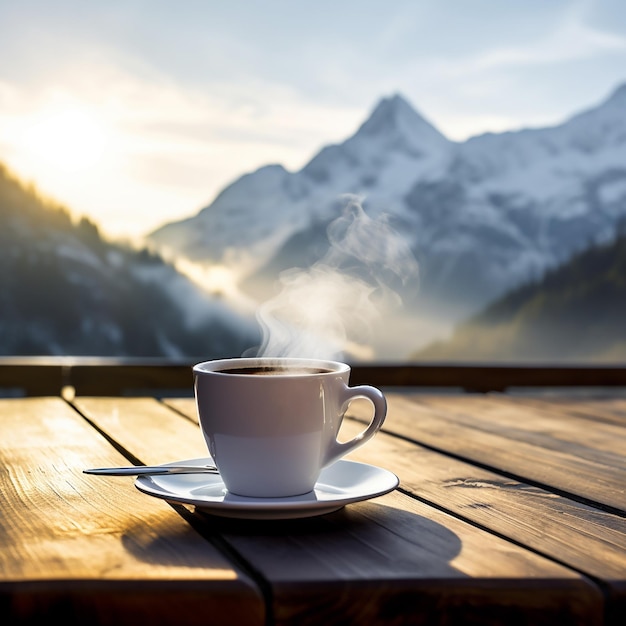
column 373, row 563
column 354, row 541
column 370, row 537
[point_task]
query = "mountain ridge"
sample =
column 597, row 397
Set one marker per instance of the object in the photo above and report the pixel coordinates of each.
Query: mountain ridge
column 64, row 290
column 574, row 313
column 480, row 216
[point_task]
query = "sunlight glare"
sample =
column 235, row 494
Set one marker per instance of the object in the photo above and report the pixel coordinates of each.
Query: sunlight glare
column 69, row 139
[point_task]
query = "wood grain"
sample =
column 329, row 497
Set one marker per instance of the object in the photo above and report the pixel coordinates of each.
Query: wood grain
column 598, row 408
column 391, row 560
column 575, row 469
column 585, row 537
column 547, row 425
column 84, row 549
column 145, row 427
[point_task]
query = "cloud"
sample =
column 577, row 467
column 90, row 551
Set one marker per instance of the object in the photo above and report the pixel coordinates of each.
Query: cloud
column 180, row 143
column 244, row 89
column 572, row 40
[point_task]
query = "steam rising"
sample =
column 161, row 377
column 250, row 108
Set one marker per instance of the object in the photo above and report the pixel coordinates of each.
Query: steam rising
column 328, row 310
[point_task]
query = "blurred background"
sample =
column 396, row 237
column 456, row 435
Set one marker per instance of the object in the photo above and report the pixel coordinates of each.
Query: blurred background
column 377, row 181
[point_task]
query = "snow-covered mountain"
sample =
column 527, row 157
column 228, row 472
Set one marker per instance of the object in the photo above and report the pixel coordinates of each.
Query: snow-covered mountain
column 251, row 218
column 480, row 216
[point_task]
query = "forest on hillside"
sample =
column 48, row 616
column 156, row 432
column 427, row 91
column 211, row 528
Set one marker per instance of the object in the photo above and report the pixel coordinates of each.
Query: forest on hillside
column 65, row 290
column 575, row 312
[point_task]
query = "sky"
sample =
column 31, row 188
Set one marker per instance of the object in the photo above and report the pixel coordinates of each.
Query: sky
column 136, row 113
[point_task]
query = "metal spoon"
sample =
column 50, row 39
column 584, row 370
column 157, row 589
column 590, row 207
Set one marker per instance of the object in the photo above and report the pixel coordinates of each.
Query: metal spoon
column 139, row 470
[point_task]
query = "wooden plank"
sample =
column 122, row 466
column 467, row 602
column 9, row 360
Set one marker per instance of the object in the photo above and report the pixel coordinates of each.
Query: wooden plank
column 484, row 377
column 553, row 428
column 396, row 560
column 184, row 406
column 587, row 539
column 34, row 376
column 594, row 479
column 391, row 560
column 131, row 379
column 80, row 549
column 145, row 427
column 132, row 376
column 595, row 409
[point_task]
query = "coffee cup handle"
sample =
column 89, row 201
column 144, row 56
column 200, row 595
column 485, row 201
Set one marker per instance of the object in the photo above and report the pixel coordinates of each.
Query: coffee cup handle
column 375, row 396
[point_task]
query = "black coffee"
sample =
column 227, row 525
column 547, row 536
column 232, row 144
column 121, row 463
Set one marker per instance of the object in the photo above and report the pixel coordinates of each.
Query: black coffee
column 275, row 371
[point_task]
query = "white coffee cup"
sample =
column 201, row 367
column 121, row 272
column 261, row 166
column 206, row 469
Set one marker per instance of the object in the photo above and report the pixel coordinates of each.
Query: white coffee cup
column 271, row 424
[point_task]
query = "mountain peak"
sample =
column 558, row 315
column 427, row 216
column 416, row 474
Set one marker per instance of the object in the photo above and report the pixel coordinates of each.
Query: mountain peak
column 389, row 114
column 601, row 126
column 395, row 104
column 394, row 117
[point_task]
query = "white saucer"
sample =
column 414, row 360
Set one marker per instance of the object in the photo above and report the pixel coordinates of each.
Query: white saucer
column 341, row 483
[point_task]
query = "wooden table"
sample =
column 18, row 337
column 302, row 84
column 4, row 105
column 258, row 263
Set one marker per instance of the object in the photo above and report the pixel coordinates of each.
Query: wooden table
column 510, row 510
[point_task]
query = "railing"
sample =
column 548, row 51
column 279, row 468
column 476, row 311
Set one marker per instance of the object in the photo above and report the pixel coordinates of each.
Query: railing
column 41, row 376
